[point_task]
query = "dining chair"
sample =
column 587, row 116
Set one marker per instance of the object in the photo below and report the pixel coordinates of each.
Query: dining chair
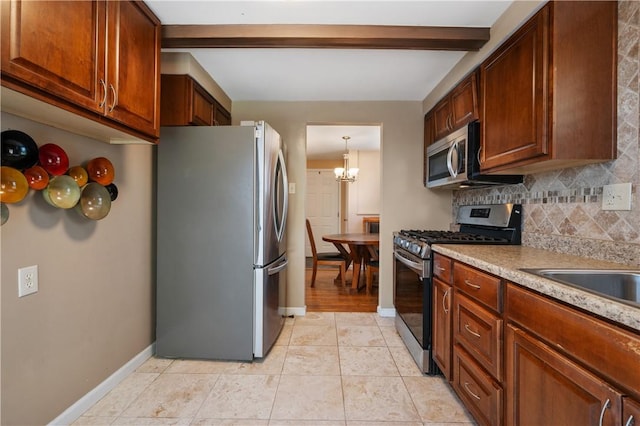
column 372, row 267
column 327, row 259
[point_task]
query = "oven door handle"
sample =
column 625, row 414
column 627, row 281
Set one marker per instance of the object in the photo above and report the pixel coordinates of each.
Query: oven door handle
column 416, row 266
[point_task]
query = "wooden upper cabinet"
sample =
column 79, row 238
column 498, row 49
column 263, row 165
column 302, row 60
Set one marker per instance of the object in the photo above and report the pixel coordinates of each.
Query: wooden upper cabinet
column 549, row 92
column 221, row 117
column 98, row 59
column 186, row 103
column 133, row 66
column 41, row 48
column 457, row 108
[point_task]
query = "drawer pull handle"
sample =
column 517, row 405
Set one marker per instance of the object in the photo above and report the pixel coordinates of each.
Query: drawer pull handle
column 466, row 386
column 115, row 97
column 472, row 285
column 440, row 268
column 444, row 297
column 606, row 405
column 629, row 421
column 466, row 327
column 104, row 93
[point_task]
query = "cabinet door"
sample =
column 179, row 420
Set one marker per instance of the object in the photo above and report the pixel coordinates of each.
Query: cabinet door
column 442, row 118
column 133, row 66
column 203, row 107
column 464, row 102
column 56, row 46
column 442, row 295
column 515, row 97
column 630, row 412
column 221, row 117
column 546, row 388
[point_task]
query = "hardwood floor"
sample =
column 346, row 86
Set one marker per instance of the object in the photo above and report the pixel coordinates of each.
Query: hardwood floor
column 329, row 297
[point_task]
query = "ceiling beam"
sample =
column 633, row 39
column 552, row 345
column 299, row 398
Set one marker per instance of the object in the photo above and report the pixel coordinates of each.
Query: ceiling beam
column 325, row 36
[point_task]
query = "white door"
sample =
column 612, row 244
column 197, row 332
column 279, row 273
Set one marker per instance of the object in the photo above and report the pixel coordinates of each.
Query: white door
column 322, row 206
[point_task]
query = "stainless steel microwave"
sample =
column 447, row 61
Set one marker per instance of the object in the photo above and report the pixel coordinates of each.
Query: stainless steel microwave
column 453, row 162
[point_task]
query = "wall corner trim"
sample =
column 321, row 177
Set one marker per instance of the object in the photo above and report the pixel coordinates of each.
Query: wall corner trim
column 72, row 413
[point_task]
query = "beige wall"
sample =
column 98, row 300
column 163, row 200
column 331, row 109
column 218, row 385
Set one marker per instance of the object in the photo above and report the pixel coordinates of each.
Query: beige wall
column 94, row 309
column 405, row 202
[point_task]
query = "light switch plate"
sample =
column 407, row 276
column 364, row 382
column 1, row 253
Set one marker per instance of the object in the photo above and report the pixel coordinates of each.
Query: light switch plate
column 616, row 196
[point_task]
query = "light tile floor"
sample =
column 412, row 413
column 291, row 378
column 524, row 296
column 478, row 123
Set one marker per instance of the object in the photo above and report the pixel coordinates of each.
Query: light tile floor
column 326, row 369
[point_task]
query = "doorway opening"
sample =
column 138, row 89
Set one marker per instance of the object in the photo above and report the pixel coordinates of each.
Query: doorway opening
column 334, row 207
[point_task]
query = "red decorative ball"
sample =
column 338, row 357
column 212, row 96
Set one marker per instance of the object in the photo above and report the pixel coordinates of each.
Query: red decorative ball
column 53, row 159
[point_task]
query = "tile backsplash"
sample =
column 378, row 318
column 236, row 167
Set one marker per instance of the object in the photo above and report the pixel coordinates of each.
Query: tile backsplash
column 563, row 208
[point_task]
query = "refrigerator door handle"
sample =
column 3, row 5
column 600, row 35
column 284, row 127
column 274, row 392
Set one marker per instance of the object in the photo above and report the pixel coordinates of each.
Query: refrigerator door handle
column 279, row 267
column 280, row 221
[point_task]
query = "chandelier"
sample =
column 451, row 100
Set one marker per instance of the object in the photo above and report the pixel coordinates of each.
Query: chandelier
column 346, row 173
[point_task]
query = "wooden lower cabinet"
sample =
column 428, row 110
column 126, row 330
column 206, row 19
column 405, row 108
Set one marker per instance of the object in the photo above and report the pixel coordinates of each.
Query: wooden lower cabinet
column 479, row 392
column 630, row 412
column 517, row 357
column 546, row 388
column 442, row 320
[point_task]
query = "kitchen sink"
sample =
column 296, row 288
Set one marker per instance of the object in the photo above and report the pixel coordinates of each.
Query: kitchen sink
column 621, row 285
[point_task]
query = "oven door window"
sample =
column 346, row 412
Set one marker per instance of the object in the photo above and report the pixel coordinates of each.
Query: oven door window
column 411, row 295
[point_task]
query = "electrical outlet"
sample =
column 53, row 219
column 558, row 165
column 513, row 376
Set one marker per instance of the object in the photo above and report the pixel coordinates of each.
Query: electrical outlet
column 616, row 196
column 27, row 280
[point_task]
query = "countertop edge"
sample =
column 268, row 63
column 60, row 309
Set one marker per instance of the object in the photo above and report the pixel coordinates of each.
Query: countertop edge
column 509, row 269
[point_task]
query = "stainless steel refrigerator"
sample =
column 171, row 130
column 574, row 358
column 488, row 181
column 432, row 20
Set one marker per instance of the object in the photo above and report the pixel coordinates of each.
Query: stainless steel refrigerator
column 221, row 245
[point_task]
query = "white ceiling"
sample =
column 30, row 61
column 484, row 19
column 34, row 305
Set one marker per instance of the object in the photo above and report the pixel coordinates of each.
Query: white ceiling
column 328, row 74
column 327, row 143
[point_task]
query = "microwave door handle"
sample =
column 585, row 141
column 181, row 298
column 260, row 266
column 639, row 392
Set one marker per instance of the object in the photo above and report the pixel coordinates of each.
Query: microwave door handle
column 452, row 170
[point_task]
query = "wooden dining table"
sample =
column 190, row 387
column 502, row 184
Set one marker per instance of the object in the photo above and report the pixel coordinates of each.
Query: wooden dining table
column 361, row 247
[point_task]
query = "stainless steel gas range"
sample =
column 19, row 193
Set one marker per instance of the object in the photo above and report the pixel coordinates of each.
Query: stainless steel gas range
column 479, row 224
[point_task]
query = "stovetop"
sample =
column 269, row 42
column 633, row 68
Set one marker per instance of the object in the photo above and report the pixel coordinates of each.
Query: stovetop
column 434, row 237
column 481, row 224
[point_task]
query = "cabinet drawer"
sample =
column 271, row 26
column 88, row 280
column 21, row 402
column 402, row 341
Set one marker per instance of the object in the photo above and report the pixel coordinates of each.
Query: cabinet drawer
column 478, row 285
column 480, row 332
column 481, row 394
column 442, row 267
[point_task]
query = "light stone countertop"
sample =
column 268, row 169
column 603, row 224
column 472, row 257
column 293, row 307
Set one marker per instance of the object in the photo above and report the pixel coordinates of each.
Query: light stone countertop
column 506, row 262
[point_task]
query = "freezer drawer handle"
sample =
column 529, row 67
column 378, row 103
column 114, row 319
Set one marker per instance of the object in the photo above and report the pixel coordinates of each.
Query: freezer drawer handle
column 279, row 267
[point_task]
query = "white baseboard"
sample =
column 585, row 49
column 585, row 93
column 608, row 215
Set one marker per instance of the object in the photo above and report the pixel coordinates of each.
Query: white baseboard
column 296, row 311
column 387, row 312
column 72, row 413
